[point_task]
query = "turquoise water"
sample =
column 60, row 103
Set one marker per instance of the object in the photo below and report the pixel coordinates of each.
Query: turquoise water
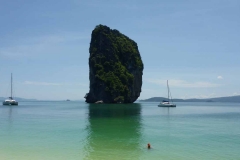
column 76, row 130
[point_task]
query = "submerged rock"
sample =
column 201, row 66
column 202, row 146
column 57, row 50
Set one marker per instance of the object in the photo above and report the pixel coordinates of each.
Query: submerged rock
column 115, row 67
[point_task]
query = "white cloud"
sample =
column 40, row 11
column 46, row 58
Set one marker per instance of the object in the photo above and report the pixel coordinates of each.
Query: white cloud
column 199, row 96
column 42, row 83
column 219, row 77
column 235, row 94
column 182, row 83
column 54, row 84
column 47, row 44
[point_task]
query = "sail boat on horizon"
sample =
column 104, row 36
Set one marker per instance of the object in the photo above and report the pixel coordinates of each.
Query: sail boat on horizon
column 169, row 102
column 10, row 100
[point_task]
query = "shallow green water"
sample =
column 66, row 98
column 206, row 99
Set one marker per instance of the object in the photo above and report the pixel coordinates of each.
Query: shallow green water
column 76, row 130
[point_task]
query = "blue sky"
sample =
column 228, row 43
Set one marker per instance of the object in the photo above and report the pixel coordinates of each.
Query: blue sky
column 192, row 43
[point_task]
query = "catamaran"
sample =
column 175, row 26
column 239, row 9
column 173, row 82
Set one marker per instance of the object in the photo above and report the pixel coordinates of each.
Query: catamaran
column 169, row 102
column 10, row 100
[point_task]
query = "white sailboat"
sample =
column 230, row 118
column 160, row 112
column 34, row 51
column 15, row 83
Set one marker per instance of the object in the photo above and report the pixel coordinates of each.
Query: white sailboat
column 10, row 100
column 167, row 103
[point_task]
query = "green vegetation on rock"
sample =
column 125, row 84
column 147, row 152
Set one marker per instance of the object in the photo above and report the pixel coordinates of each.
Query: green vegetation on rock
column 113, row 60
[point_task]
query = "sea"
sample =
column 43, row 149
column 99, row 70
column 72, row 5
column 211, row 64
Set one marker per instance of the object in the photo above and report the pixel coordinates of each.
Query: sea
column 75, row 130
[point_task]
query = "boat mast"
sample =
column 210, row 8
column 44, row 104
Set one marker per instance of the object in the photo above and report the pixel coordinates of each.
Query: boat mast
column 168, row 90
column 11, row 85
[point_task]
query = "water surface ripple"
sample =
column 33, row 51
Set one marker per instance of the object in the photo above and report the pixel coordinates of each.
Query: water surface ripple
column 77, row 130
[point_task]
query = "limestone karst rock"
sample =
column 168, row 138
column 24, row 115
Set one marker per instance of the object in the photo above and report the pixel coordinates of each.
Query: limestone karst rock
column 115, row 67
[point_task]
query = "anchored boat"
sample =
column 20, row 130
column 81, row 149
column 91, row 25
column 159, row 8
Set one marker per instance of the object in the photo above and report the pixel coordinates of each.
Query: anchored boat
column 169, row 102
column 10, row 100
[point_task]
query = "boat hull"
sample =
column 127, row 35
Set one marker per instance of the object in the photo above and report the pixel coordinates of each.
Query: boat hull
column 10, row 103
column 10, row 100
column 167, row 105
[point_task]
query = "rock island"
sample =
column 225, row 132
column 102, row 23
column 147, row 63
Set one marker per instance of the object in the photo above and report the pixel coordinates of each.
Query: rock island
column 115, row 67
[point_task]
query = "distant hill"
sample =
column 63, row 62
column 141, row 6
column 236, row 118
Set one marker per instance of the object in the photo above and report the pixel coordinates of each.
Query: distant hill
column 17, row 99
column 218, row 99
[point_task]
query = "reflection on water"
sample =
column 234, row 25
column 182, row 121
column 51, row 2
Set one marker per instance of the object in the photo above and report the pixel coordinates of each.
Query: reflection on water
column 10, row 114
column 114, row 110
column 10, row 119
column 114, row 129
column 7, row 115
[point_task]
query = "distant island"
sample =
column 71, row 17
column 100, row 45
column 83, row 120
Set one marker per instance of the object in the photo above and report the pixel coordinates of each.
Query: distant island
column 18, row 99
column 218, row 99
column 28, row 100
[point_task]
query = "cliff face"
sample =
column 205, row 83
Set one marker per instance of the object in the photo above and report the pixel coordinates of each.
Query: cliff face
column 115, row 67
